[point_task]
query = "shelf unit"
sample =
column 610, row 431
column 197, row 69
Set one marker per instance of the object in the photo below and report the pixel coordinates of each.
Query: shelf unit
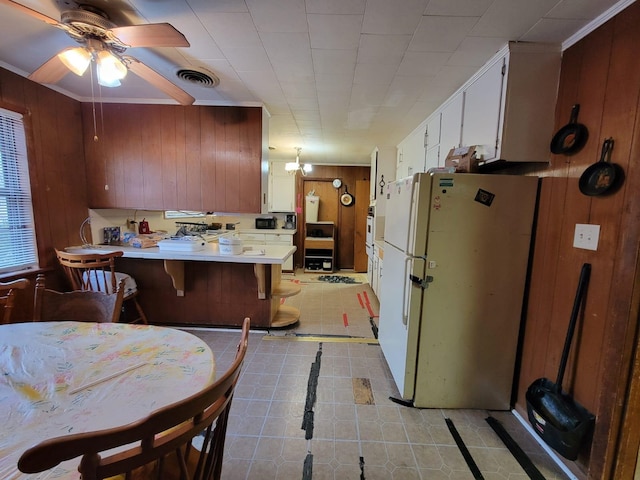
column 319, row 247
column 282, row 315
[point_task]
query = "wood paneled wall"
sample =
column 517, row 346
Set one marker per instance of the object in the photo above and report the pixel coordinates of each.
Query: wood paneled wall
column 164, row 157
column 56, row 169
column 345, row 216
column 602, row 74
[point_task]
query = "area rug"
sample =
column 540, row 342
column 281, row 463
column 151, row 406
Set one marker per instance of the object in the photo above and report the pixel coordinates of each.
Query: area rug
column 337, row 279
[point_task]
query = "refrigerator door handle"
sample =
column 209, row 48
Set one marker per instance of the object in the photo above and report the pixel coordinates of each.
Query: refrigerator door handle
column 421, row 282
column 405, row 293
column 411, row 205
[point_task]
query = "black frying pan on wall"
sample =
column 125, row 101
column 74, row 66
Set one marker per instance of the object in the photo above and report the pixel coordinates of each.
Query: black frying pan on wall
column 603, row 177
column 346, row 198
column 572, row 137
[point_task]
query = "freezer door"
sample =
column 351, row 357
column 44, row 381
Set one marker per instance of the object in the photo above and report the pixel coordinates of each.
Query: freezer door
column 408, row 203
column 396, row 228
column 399, row 323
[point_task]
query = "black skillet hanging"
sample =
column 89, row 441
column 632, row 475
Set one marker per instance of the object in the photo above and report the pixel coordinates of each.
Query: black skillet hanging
column 602, row 177
column 572, row 137
column 346, row 198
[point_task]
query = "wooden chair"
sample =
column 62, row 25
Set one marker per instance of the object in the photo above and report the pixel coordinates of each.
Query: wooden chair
column 79, row 305
column 8, row 297
column 97, row 272
column 155, row 444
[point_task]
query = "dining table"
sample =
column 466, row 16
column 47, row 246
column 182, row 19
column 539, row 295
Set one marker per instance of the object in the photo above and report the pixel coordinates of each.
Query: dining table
column 59, row 378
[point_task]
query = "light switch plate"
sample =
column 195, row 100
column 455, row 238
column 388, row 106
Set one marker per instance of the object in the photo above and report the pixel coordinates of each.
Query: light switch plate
column 586, row 236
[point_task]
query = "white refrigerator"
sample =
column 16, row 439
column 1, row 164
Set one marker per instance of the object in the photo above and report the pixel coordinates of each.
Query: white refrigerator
column 456, row 251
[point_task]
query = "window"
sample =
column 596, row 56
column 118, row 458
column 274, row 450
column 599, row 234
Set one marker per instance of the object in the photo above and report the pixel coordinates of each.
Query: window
column 17, row 233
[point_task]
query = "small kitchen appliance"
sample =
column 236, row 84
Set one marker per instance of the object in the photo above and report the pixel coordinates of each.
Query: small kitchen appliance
column 268, row 223
column 143, row 227
column 290, row 221
column 111, row 235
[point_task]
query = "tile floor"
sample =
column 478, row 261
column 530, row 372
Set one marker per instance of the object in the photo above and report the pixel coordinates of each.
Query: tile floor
column 355, row 432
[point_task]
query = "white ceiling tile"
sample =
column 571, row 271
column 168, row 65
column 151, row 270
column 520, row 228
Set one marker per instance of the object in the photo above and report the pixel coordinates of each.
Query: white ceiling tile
column 278, row 15
column 368, row 95
column 553, row 30
column 335, row 83
column 475, row 51
column 382, row 49
column 228, row 6
column 422, row 63
column 335, row 7
column 466, row 8
column 334, row 31
column 370, row 73
column 334, row 61
column 511, row 18
column 287, row 47
column 392, row 17
column 580, row 9
column 231, row 29
column 441, row 34
column 248, row 59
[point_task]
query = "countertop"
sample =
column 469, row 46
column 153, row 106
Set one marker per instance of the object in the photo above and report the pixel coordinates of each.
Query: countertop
column 268, row 231
column 273, row 254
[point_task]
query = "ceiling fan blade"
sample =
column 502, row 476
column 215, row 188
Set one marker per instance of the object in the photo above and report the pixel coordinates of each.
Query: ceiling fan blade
column 150, row 35
column 51, row 71
column 158, row 81
column 30, row 12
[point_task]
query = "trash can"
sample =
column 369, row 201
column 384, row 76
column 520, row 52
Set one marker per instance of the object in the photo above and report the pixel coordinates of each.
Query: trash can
column 311, row 208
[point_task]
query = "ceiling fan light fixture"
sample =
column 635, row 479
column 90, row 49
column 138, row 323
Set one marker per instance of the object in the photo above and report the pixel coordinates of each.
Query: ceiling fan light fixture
column 291, row 166
column 76, row 59
column 110, row 69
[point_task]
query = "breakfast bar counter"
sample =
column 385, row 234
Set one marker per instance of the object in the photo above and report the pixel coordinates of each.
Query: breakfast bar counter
column 204, row 287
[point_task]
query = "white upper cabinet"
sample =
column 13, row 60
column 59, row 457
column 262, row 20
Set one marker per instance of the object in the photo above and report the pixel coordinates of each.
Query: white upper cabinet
column 450, row 125
column 509, row 105
column 482, row 108
column 411, row 153
column 282, row 188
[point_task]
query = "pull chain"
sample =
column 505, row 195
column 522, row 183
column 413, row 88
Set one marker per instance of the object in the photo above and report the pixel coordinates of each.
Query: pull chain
column 93, row 108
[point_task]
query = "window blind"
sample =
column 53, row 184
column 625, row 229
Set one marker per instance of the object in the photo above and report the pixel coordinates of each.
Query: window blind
column 17, row 233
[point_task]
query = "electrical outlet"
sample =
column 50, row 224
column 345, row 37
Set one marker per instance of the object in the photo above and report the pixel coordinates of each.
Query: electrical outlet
column 586, row 236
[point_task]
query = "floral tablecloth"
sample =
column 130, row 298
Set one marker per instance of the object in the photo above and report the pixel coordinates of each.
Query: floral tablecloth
column 46, row 369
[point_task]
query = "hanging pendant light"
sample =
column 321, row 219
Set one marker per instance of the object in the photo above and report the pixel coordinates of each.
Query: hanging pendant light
column 293, row 167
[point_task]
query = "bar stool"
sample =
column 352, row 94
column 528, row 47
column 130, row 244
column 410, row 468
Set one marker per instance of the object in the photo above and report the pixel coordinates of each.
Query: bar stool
column 96, row 272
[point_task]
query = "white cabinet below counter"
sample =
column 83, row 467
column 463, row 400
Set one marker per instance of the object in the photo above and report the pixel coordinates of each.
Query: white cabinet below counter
column 257, row 239
column 374, row 271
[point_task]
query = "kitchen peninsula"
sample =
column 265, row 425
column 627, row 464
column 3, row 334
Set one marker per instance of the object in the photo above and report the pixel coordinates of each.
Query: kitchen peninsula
column 206, row 288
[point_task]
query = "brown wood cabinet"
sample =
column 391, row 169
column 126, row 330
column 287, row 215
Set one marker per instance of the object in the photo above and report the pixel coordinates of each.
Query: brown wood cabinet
column 166, row 157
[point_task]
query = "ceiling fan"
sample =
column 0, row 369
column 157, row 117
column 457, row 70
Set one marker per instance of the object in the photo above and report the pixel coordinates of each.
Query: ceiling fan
column 105, row 43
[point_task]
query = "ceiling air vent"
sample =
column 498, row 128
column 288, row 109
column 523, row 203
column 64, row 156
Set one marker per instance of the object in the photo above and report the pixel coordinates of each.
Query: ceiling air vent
column 199, row 77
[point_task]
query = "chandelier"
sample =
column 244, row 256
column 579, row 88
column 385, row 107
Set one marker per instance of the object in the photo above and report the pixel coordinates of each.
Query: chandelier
column 293, row 167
